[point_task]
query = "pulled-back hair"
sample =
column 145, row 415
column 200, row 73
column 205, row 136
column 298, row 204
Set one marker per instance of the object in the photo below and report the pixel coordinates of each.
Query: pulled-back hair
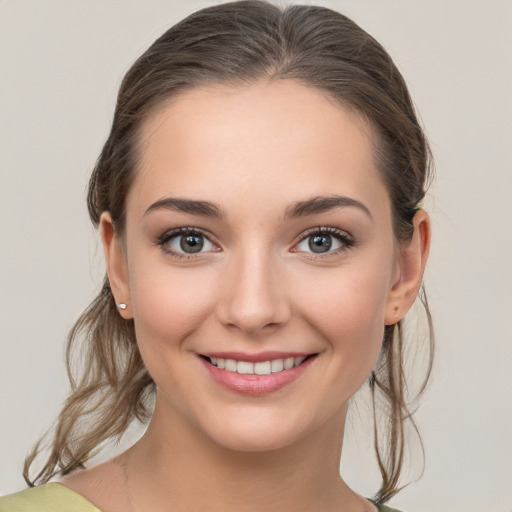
column 238, row 43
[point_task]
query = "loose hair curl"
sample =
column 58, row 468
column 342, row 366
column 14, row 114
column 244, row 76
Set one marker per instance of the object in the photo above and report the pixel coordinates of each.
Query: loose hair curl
column 238, row 43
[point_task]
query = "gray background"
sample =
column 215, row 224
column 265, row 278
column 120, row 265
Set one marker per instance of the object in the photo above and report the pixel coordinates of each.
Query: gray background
column 61, row 63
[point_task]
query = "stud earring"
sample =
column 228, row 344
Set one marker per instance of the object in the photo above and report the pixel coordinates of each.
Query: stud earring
column 122, row 306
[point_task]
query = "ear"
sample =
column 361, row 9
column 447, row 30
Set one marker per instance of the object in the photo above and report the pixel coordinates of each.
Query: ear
column 117, row 268
column 412, row 258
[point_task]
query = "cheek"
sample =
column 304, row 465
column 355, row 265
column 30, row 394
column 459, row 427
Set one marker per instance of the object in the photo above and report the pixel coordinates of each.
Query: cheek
column 168, row 304
column 347, row 307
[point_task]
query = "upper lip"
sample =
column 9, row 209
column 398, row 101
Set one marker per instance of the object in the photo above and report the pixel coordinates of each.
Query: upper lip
column 255, row 358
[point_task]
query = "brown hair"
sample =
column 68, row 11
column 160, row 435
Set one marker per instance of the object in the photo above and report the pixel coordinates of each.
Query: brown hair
column 238, row 43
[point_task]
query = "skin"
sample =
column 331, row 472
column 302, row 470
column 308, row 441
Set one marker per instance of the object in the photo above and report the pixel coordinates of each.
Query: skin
column 257, row 285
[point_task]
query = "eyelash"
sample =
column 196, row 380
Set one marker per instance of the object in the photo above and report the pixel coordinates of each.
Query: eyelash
column 173, row 233
column 346, row 241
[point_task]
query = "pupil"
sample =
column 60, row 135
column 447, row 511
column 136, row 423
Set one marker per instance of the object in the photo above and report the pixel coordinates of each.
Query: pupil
column 320, row 243
column 191, row 243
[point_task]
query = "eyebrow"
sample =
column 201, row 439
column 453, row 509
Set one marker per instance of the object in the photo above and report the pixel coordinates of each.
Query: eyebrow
column 192, row 206
column 315, row 205
column 321, row 204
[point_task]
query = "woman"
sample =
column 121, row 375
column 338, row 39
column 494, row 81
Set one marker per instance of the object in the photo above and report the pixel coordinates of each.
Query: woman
column 259, row 202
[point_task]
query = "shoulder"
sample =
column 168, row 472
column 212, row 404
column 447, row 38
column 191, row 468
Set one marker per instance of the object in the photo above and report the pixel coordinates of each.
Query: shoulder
column 52, row 497
column 383, row 508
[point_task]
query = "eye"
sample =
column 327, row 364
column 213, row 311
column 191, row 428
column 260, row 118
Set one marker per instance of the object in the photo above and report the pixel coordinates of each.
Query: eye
column 324, row 240
column 186, row 241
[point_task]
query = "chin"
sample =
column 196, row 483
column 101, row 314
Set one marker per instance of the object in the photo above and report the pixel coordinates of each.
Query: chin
column 249, row 441
column 261, row 430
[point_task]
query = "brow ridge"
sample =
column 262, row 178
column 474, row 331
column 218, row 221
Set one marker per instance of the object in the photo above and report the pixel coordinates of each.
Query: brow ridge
column 321, row 204
column 312, row 206
column 191, row 206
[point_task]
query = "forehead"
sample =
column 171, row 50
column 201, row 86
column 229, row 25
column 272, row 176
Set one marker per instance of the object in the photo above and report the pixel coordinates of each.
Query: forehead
column 269, row 139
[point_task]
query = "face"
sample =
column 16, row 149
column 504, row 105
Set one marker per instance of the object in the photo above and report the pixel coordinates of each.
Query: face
column 259, row 262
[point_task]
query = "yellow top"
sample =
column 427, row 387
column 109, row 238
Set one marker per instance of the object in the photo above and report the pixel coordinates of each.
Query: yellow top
column 52, row 497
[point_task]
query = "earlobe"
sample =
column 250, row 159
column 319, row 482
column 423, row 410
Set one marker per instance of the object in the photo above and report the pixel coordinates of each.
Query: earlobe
column 117, row 270
column 412, row 258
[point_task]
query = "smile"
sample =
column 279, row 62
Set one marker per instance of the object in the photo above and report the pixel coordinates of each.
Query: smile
column 260, row 368
column 256, row 374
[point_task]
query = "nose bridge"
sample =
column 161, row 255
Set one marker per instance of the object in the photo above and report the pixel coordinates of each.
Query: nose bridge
column 254, row 297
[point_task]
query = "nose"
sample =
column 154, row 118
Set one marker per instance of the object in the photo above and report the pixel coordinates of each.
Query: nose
column 254, row 294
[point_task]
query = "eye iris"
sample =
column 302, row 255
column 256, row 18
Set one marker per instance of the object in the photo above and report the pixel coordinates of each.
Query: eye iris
column 191, row 243
column 320, row 243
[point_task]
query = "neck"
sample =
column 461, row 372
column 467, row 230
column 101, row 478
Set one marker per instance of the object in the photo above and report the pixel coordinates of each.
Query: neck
column 175, row 463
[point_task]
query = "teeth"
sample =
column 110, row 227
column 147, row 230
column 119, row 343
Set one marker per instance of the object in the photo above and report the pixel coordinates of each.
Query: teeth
column 230, row 365
column 277, row 365
column 244, row 368
column 288, row 363
column 262, row 368
column 298, row 360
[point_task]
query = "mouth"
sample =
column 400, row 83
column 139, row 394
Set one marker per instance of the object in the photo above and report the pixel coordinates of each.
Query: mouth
column 256, row 374
column 257, row 368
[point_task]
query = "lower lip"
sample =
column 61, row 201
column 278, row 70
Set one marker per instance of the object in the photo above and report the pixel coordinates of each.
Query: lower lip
column 257, row 384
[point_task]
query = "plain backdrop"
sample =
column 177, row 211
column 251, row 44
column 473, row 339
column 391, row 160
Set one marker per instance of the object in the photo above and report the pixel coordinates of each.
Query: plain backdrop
column 61, row 63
